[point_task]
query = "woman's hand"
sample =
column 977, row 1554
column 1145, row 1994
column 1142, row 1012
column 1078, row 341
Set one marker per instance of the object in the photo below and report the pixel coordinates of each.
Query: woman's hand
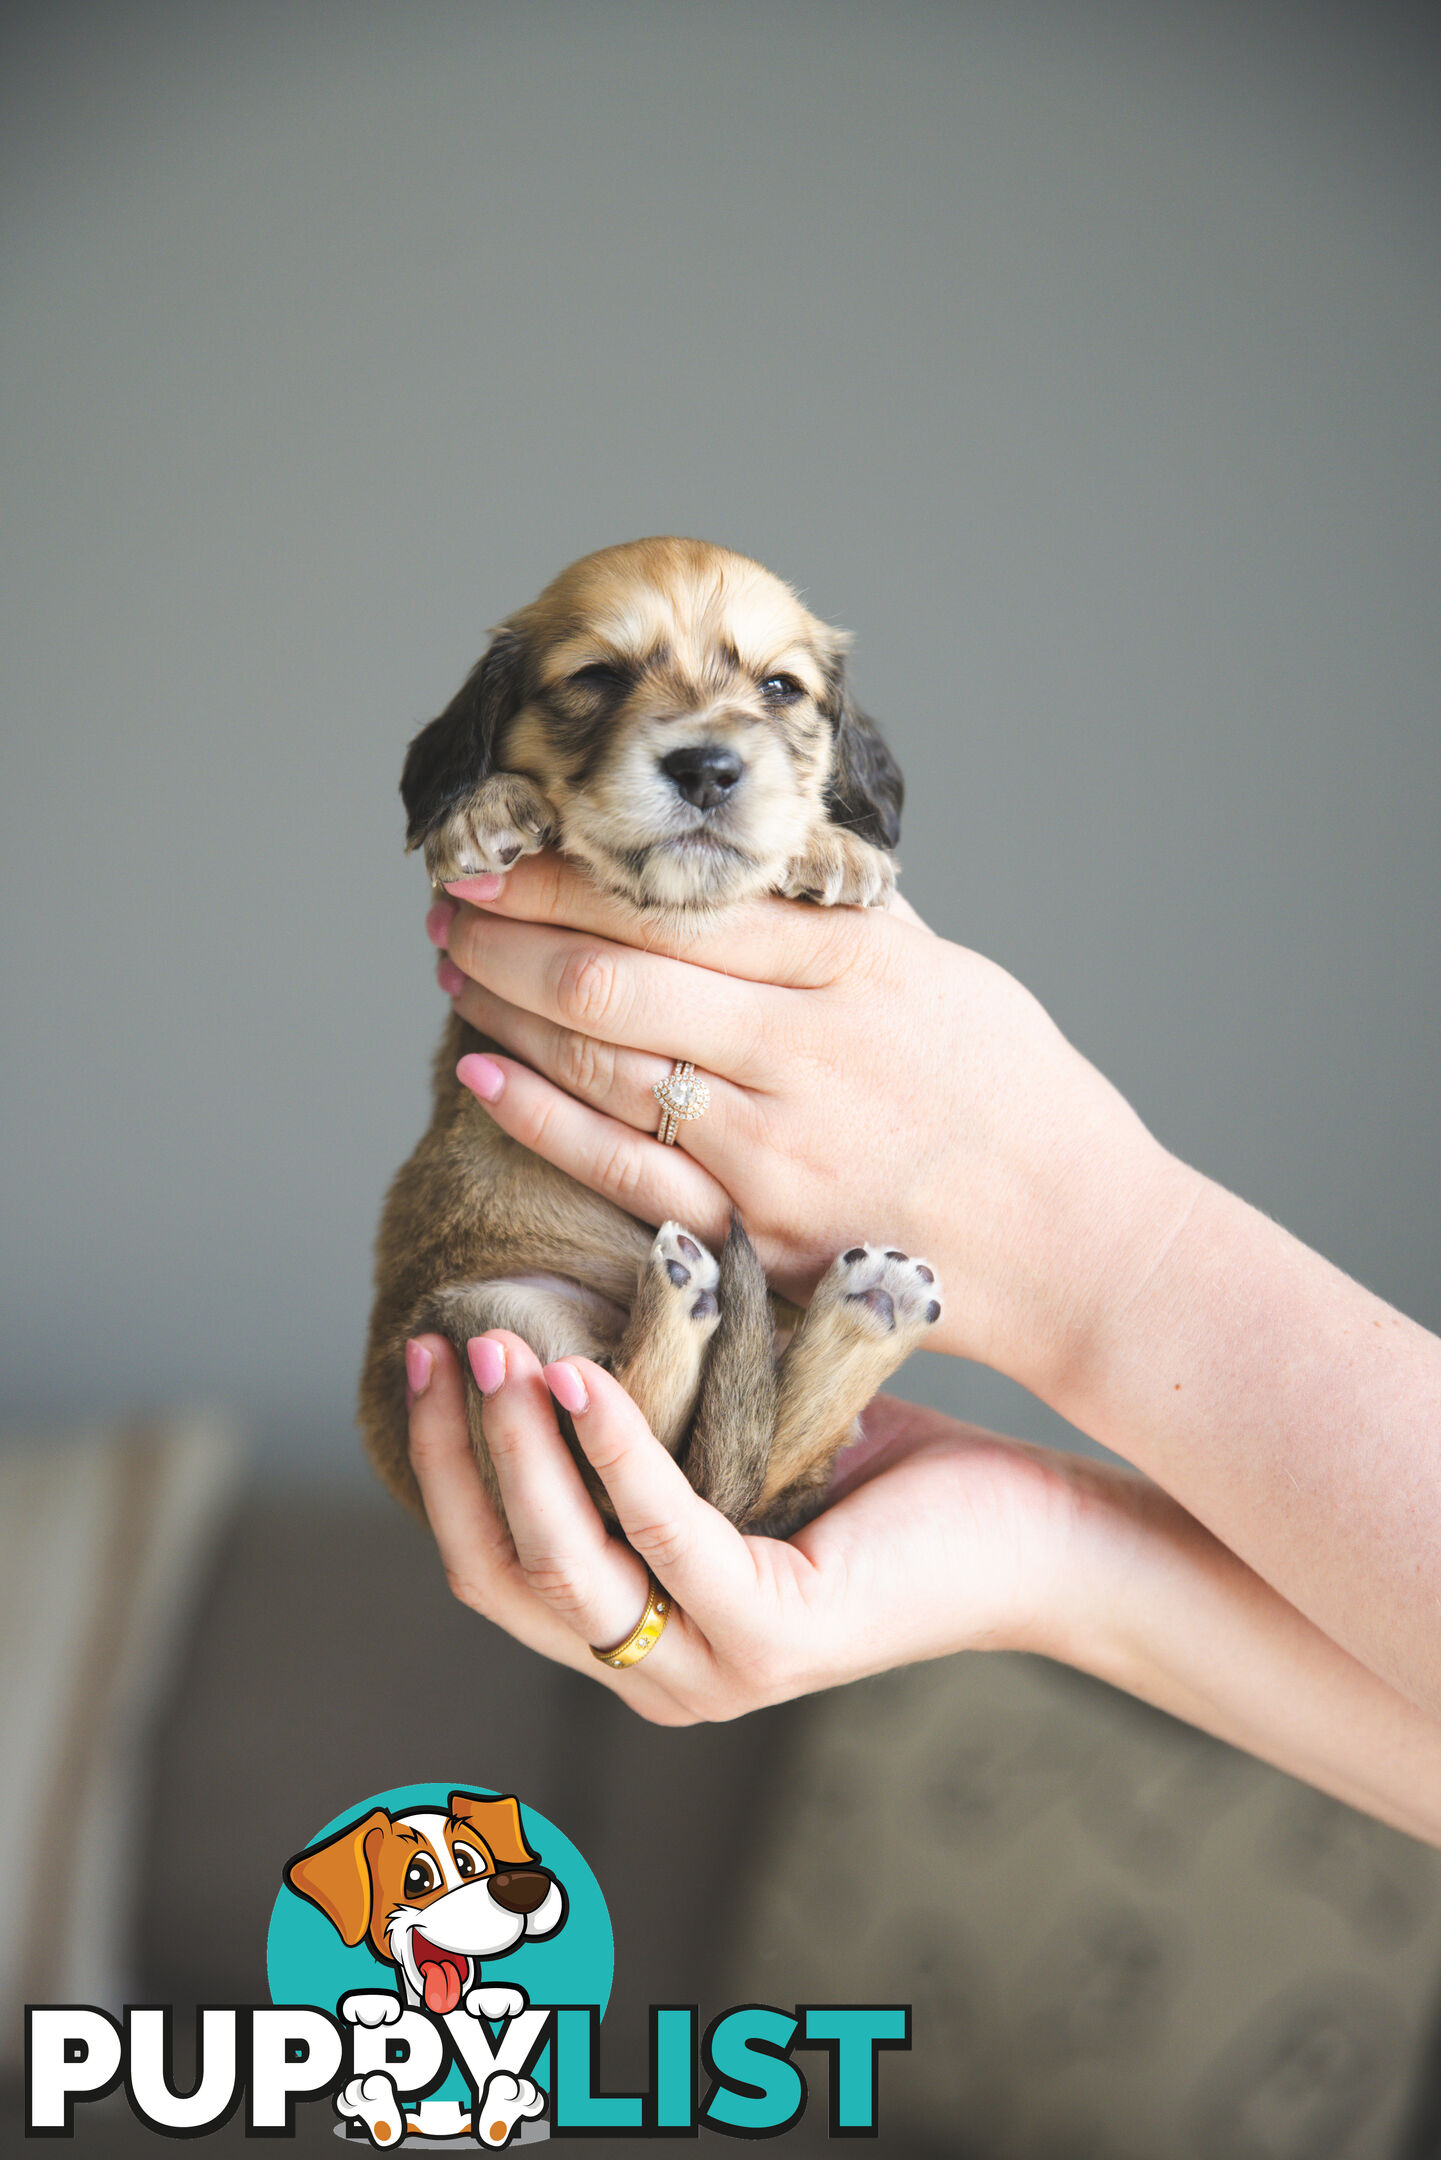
column 868, row 1080
column 872, row 1081
column 940, row 1538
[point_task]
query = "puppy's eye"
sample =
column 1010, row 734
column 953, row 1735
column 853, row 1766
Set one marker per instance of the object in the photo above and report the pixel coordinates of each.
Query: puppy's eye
column 782, row 690
column 420, row 1876
column 468, row 1863
column 600, row 679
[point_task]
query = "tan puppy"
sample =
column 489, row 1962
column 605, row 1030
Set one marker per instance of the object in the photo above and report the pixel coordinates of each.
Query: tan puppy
column 670, row 715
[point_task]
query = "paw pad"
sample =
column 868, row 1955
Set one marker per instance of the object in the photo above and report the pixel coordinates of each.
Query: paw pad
column 887, row 1287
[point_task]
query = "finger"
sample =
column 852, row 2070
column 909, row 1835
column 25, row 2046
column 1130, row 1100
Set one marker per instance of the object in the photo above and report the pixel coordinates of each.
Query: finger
column 659, row 1184
column 638, row 1000
column 688, row 1545
column 767, row 940
column 588, row 1579
column 475, row 1547
column 622, row 1083
column 473, row 1542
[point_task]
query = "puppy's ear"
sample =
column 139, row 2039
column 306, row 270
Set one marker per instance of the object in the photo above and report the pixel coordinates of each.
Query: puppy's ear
column 449, row 758
column 497, row 1823
column 865, row 790
column 336, row 1876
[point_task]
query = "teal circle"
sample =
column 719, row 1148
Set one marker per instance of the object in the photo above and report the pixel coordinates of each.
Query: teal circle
column 306, row 1961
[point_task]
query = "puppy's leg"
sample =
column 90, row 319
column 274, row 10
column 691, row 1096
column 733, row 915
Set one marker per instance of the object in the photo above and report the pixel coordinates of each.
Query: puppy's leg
column 660, row 1357
column 505, row 818
column 873, row 1306
column 735, row 1418
column 838, row 870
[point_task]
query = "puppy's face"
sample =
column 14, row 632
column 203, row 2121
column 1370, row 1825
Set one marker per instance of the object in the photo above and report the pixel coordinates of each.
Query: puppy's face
column 683, row 716
column 433, row 1892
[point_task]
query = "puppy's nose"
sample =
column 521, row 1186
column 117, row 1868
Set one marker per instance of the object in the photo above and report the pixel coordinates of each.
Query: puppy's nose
column 704, row 773
column 520, row 1890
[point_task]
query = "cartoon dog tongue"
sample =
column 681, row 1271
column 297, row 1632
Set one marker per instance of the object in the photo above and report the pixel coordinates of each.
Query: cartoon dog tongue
column 442, row 1977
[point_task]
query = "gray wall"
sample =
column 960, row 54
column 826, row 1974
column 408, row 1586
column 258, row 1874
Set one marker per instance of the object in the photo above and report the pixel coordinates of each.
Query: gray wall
column 1083, row 359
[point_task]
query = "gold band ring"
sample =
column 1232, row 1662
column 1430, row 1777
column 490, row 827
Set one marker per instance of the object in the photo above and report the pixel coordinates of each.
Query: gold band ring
column 644, row 1636
column 682, row 1097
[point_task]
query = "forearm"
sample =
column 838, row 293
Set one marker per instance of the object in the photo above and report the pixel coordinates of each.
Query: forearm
column 1294, row 1414
column 1148, row 1600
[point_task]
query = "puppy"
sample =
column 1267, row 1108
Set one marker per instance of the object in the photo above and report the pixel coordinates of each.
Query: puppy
column 670, row 715
column 433, row 1893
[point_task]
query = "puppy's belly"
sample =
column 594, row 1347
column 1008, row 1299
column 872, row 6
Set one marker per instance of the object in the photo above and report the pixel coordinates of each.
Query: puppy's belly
column 602, row 1312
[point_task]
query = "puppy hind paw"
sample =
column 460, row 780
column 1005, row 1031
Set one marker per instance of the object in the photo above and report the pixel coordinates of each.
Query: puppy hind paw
column 690, row 1270
column 882, row 1291
column 373, row 2100
column 506, row 2101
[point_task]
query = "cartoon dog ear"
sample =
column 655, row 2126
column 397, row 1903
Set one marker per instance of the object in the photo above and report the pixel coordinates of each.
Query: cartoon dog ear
column 865, row 790
column 497, row 1822
column 449, row 758
column 336, row 1876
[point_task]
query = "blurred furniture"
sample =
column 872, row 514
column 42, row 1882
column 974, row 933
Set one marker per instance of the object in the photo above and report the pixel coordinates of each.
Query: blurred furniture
column 1122, row 1941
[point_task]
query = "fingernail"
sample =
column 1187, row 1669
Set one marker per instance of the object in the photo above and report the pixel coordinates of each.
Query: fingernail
column 487, row 1362
column 567, row 1387
column 488, row 887
column 439, row 920
column 419, row 1365
column 482, row 1076
column 448, row 975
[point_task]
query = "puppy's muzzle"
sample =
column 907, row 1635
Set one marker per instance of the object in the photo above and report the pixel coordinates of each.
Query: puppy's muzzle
column 704, row 773
column 520, row 1890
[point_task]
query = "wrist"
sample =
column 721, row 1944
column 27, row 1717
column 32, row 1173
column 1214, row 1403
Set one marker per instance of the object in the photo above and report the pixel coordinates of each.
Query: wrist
column 1080, row 1595
column 1101, row 1232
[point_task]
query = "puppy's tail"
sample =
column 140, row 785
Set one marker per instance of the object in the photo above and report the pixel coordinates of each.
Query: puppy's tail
column 733, row 1430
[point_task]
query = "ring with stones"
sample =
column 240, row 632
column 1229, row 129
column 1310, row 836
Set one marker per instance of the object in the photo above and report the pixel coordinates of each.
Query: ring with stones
column 644, row 1636
column 682, row 1097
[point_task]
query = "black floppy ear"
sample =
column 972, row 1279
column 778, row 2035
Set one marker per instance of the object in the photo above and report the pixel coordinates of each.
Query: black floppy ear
column 449, row 758
column 865, row 790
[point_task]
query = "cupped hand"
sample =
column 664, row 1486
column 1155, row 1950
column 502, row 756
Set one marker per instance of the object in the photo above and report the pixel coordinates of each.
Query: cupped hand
column 868, row 1081
column 939, row 1538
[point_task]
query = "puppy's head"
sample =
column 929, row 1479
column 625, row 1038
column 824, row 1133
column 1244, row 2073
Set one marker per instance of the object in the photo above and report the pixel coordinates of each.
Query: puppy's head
column 433, row 1892
column 684, row 715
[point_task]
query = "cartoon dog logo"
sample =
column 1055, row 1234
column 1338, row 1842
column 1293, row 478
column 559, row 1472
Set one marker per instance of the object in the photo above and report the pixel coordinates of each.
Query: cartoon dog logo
column 433, row 1893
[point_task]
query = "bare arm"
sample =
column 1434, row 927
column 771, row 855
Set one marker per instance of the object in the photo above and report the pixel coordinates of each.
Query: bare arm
column 870, row 1079
column 941, row 1538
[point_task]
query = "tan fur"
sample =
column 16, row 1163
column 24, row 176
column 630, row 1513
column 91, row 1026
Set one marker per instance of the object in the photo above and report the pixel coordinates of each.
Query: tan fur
column 632, row 655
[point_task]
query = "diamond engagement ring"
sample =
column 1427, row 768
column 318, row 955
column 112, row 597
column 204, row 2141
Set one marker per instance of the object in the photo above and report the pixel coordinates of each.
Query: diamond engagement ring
column 681, row 1097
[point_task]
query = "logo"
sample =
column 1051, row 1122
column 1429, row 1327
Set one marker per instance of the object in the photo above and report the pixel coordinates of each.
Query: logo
column 439, row 1960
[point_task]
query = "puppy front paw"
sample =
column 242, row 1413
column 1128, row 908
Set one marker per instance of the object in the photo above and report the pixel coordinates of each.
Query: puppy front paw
column 838, row 870
column 371, row 2008
column 495, row 2003
column 878, row 1293
column 505, row 818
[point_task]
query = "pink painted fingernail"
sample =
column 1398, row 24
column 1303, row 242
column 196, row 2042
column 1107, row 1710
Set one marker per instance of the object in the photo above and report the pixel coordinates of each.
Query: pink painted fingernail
column 482, row 1076
column 489, row 887
column 439, row 920
column 487, row 1362
column 448, row 975
column 419, row 1365
column 567, row 1387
